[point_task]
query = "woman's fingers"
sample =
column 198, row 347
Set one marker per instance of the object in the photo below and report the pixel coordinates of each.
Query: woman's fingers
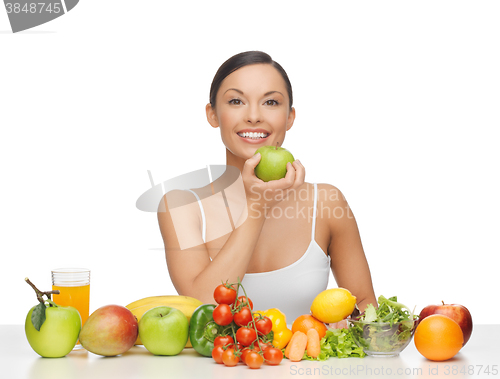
column 300, row 173
column 250, row 164
column 290, row 176
column 283, row 183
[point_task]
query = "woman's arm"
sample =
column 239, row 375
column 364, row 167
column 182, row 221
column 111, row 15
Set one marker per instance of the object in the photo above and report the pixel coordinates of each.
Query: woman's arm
column 348, row 261
column 191, row 270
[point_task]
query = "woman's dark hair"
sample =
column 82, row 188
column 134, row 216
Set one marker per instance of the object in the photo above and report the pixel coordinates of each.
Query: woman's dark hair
column 244, row 59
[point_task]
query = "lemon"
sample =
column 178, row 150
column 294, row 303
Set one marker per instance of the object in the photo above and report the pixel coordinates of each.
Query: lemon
column 333, row 305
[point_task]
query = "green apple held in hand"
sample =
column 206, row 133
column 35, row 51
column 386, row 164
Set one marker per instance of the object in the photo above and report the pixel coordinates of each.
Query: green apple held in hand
column 164, row 330
column 51, row 330
column 272, row 165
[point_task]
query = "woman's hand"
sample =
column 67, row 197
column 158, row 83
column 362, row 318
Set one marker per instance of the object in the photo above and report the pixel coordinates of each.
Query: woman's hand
column 344, row 324
column 261, row 195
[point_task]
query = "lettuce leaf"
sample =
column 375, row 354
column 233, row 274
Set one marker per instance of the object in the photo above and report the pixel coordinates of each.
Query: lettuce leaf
column 370, row 313
column 337, row 343
column 389, row 310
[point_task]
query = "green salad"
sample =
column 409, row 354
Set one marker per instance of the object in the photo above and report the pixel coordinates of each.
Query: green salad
column 387, row 328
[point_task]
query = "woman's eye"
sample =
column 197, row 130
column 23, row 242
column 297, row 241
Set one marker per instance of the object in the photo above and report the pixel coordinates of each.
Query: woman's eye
column 235, row 101
column 271, row 102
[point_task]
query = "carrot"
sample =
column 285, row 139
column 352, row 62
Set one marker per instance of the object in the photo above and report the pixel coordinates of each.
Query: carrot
column 297, row 347
column 288, row 346
column 313, row 347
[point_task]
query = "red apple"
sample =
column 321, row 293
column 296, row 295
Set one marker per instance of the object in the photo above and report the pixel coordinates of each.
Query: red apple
column 109, row 331
column 457, row 312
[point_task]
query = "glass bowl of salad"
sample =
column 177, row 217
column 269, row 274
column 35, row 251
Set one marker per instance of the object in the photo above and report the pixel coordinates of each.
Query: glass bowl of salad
column 384, row 331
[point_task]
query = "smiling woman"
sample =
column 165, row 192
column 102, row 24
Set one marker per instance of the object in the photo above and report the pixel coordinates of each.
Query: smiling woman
column 262, row 104
column 278, row 243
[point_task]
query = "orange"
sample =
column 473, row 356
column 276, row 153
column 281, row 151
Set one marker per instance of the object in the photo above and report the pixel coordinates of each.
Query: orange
column 438, row 337
column 305, row 322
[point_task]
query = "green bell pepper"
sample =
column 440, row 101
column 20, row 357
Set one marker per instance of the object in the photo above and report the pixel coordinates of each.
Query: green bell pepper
column 203, row 330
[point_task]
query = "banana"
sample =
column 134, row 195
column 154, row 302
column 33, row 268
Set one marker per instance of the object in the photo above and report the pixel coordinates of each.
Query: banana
column 185, row 304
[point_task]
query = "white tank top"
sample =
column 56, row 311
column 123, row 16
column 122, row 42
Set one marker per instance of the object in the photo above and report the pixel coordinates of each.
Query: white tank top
column 293, row 288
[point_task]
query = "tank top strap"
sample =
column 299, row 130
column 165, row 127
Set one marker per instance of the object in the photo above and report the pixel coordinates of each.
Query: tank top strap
column 315, row 206
column 204, row 225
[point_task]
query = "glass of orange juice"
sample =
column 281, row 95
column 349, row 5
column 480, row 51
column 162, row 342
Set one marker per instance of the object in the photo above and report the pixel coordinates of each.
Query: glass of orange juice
column 74, row 287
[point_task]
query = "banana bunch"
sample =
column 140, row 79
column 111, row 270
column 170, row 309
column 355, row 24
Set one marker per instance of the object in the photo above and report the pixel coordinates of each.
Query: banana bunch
column 185, row 304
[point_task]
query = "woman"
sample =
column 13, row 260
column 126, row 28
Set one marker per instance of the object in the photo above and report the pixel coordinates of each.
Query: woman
column 289, row 234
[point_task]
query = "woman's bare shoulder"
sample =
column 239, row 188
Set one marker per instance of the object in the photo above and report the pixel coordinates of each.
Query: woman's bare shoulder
column 326, row 193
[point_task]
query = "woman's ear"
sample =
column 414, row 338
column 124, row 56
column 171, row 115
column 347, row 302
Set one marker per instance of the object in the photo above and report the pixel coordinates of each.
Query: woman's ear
column 211, row 116
column 291, row 119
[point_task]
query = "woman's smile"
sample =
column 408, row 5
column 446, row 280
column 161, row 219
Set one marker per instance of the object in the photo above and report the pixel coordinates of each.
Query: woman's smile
column 254, row 136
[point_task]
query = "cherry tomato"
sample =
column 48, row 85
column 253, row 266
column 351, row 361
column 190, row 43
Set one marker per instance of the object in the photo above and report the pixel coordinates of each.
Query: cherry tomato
column 222, row 314
column 217, row 353
column 246, row 336
column 273, row 356
column 244, row 353
column 229, row 358
column 264, row 345
column 264, row 325
column 254, row 359
column 224, row 295
column 223, row 340
column 241, row 318
column 242, row 300
column 237, row 347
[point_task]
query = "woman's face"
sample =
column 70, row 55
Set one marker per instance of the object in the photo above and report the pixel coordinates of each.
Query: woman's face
column 252, row 109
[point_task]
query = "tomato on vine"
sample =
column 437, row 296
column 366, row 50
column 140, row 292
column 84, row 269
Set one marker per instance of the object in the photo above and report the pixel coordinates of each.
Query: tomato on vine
column 222, row 314
column 273, row 356
column 229, row 357
column 223, row 340
column 244, row 301
column 246, row 335
column 217, row 353
column 244, row 352
column 265, row 345
column 254, row 359
column 263, row 324
column 225, row 294
column 243, row 317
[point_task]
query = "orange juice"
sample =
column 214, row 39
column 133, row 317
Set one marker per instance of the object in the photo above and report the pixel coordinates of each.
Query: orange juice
column 77, row 297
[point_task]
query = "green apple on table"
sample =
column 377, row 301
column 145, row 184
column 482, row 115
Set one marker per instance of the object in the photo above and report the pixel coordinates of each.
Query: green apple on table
column 51, row 330
column 273, row 161
column 164, row 330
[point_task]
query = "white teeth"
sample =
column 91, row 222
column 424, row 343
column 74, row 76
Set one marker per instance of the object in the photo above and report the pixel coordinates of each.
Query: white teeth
column 253, row 135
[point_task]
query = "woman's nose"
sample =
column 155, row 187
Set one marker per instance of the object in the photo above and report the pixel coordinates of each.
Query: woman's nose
column 253, row 115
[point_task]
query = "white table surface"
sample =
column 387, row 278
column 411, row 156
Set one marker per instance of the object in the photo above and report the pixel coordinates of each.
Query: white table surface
column 18, row 360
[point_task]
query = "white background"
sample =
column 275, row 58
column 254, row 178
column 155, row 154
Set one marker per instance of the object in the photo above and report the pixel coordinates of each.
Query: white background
column 397, row 105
